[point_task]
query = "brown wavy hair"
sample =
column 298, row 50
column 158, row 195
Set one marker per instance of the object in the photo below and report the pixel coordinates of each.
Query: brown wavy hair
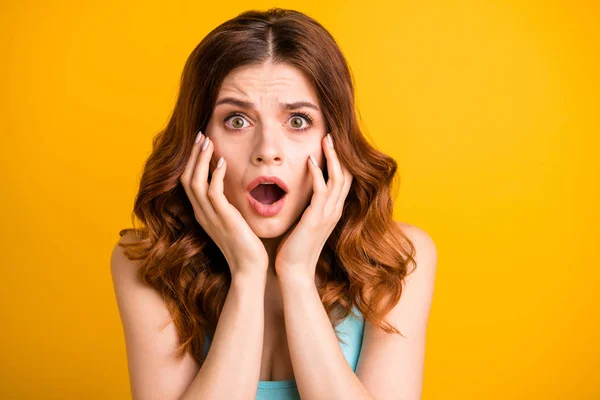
column 365, row 259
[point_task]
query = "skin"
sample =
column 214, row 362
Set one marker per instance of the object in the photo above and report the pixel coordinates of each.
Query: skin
column 268, row 145
column 267, row 140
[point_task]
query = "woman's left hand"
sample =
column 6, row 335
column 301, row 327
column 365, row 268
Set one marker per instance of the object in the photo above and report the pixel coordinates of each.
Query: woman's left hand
column 299, row 250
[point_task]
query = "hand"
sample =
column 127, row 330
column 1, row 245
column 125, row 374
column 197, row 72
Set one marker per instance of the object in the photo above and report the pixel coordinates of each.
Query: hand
column 299, row 249
column 243, row 250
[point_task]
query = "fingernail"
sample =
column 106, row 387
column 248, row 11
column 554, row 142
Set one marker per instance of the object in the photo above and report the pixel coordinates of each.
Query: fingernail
column 220, row 162
column 198, row 137
column 312, row 160
column 329, row 140
column 205, row 145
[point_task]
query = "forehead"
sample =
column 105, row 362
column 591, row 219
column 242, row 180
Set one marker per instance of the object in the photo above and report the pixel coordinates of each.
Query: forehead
column 283, row 81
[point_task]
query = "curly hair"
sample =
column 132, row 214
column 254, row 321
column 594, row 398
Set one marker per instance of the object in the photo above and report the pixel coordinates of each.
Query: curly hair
column 365, row 260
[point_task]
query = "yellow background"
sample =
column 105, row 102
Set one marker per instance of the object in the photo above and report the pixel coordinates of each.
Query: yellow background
column 489, row 107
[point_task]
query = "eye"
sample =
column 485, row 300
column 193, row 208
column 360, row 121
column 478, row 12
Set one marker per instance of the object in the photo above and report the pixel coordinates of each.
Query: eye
column 235, row 119
column 298, row 117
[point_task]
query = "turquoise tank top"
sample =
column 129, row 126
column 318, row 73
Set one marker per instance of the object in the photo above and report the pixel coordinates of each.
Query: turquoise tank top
column 350, row 330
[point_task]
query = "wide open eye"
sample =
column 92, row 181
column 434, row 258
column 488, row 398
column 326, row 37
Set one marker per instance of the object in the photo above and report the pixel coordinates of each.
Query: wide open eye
column 296, row 121
column 237, row 121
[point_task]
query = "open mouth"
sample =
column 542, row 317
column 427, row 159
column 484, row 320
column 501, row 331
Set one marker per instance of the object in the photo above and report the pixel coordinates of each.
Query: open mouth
column 267, row 193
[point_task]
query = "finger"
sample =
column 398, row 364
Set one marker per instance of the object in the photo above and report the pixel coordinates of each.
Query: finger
column 186, row 176
column 199, row 180
column 336, row 178
column 216, row 194
column 319, row 187
column 187, row 171
column 348, row 178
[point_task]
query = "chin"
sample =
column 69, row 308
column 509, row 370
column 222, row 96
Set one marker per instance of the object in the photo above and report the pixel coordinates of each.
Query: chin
column 273, row 228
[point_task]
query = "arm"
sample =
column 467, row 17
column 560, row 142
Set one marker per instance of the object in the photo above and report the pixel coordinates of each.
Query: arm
column 389, row 367
column 320, row 369
column 231, row 369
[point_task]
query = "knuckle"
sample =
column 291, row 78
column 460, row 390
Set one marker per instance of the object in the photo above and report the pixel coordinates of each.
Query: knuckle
column 212, row 193
column 198, row 215
column 196, row 185
column 186, row 186
column 314, row 223
column 338, row 213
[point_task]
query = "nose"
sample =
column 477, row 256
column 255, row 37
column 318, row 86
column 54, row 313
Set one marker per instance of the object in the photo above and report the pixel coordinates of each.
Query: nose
column 268, row 147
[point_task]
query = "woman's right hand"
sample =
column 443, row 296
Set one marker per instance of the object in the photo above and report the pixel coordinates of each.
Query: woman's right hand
column 243, row 250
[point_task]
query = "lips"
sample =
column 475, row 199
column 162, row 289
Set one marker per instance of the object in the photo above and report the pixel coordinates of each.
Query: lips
column 267, row 200
column 261, row 179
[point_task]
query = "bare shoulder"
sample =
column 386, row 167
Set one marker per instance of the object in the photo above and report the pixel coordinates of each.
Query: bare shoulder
column 129, row 237
column 426, row 250
column 389, row 364
column 425, row 253
column 132, row 294
column 118, row 258
column 123, row 270
column 150, row 336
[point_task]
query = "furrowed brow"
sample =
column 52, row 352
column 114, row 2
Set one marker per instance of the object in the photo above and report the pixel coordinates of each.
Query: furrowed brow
column 299, row 104
column 235, row 102
column 249, row 105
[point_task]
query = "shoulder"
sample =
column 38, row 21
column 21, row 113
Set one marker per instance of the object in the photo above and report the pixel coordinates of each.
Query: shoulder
column 135, row 299
column 128, row 237
column 151, row 338
column 422, row 273
column 415, row 233
column 123, row 269
column 119, row 263
column 418, row 283
column 425, row 248
column 388, row 361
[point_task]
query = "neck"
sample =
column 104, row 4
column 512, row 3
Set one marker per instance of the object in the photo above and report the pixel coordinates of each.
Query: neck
column 271, row 248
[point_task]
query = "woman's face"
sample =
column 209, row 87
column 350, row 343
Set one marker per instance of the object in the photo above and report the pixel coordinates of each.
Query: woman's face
column 264, row 137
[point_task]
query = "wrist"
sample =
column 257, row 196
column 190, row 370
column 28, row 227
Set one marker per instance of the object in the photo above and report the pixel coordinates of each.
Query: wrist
column 295, row 278
column 249, row 279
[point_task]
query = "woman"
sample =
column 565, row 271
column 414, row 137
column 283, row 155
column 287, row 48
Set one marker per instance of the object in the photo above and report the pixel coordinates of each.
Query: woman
column 268, row 264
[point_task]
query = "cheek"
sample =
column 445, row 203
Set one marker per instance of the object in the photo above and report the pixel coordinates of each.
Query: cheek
column 233, row 182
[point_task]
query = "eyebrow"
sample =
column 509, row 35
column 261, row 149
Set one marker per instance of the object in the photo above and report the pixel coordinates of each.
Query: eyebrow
column 249, row 105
